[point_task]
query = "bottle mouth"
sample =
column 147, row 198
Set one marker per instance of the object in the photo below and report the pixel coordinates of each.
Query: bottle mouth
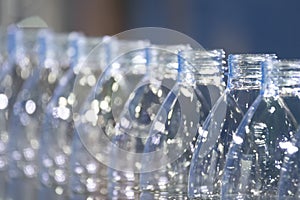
column 21, row 41
column 202, row 53
column 202, row 61
column 281, row 69
column 245, row 70
column 90, row 53
column 53, row 47
column 163, row 58
column 202, row 66
column 293, row 64
column 121, row 48
column 249, row 58
column 281, row 76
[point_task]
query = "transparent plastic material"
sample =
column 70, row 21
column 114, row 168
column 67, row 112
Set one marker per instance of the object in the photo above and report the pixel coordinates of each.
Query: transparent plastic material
column 137, row 116
column 169, row 147
column 3, row 53
column 254, row 160
column 207, row 165
column 92, row 59
column 18, row 64
column 289, row 182
column 57, row 127
column 27, row 114
column 95, row 117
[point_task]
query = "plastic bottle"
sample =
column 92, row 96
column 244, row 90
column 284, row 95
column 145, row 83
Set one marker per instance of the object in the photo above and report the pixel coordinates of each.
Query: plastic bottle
column 16, row 68
column 27, row 115
column 57, row 128
column 169, row 147
column 95, row 118
column 254, row 160
column 215, row 135
column 137, row 116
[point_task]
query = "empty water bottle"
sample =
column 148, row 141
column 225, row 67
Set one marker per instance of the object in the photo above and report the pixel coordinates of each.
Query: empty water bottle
column 254, row 160
column 136, row 118
column 95, row 118
column 216, row 133
column 57, row 128
column 27, row 115
column 168, row 149
column 15, row 69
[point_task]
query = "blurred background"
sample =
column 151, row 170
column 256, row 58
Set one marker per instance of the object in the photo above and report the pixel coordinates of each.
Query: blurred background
column 236, row 26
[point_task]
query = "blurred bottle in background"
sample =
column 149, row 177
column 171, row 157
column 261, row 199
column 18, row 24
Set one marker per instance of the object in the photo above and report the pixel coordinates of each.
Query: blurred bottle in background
column 57, row 127
column 95, row 118
column 28, row 111
column 136, row 118
column 20, row 61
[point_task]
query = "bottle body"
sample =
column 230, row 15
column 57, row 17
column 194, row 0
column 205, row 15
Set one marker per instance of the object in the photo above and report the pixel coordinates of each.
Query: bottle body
column 17, row 67
column 254, row 160
column 258, row 148
column 57, row 133
column 138, row 114
column 96, row 119
column 26, row 118
column 169, row 146
column 215, row 135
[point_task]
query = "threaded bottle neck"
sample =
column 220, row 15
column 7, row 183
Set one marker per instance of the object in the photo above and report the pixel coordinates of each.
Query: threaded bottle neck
column 281, row 78
column 165, row 53
column 52, row 49
column 125, row 50
column 126, row 55
column 21, row 42
column 95, row 52
column 245, row 70
column 162, row 60
column 75, row 49
column 202, row 67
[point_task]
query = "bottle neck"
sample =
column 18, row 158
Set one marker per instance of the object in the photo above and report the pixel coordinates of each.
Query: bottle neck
column 52, row 49
column 162, row 60
column 96, row 53
column 87, row 54
column 245, row 70
column 121, row 49
column 281, row 78
column 21, row 42
column 126, row 55
column 75, row 50
column 202, row 67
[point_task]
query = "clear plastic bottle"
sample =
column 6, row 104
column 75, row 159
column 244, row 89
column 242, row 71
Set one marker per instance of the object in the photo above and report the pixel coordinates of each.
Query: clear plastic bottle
column 27, row 114
column 137, row 116
column 18, row 64
column 255, row 157
column 57, row 128
column 168, row 148
column 215, row 135
column 94, row 118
